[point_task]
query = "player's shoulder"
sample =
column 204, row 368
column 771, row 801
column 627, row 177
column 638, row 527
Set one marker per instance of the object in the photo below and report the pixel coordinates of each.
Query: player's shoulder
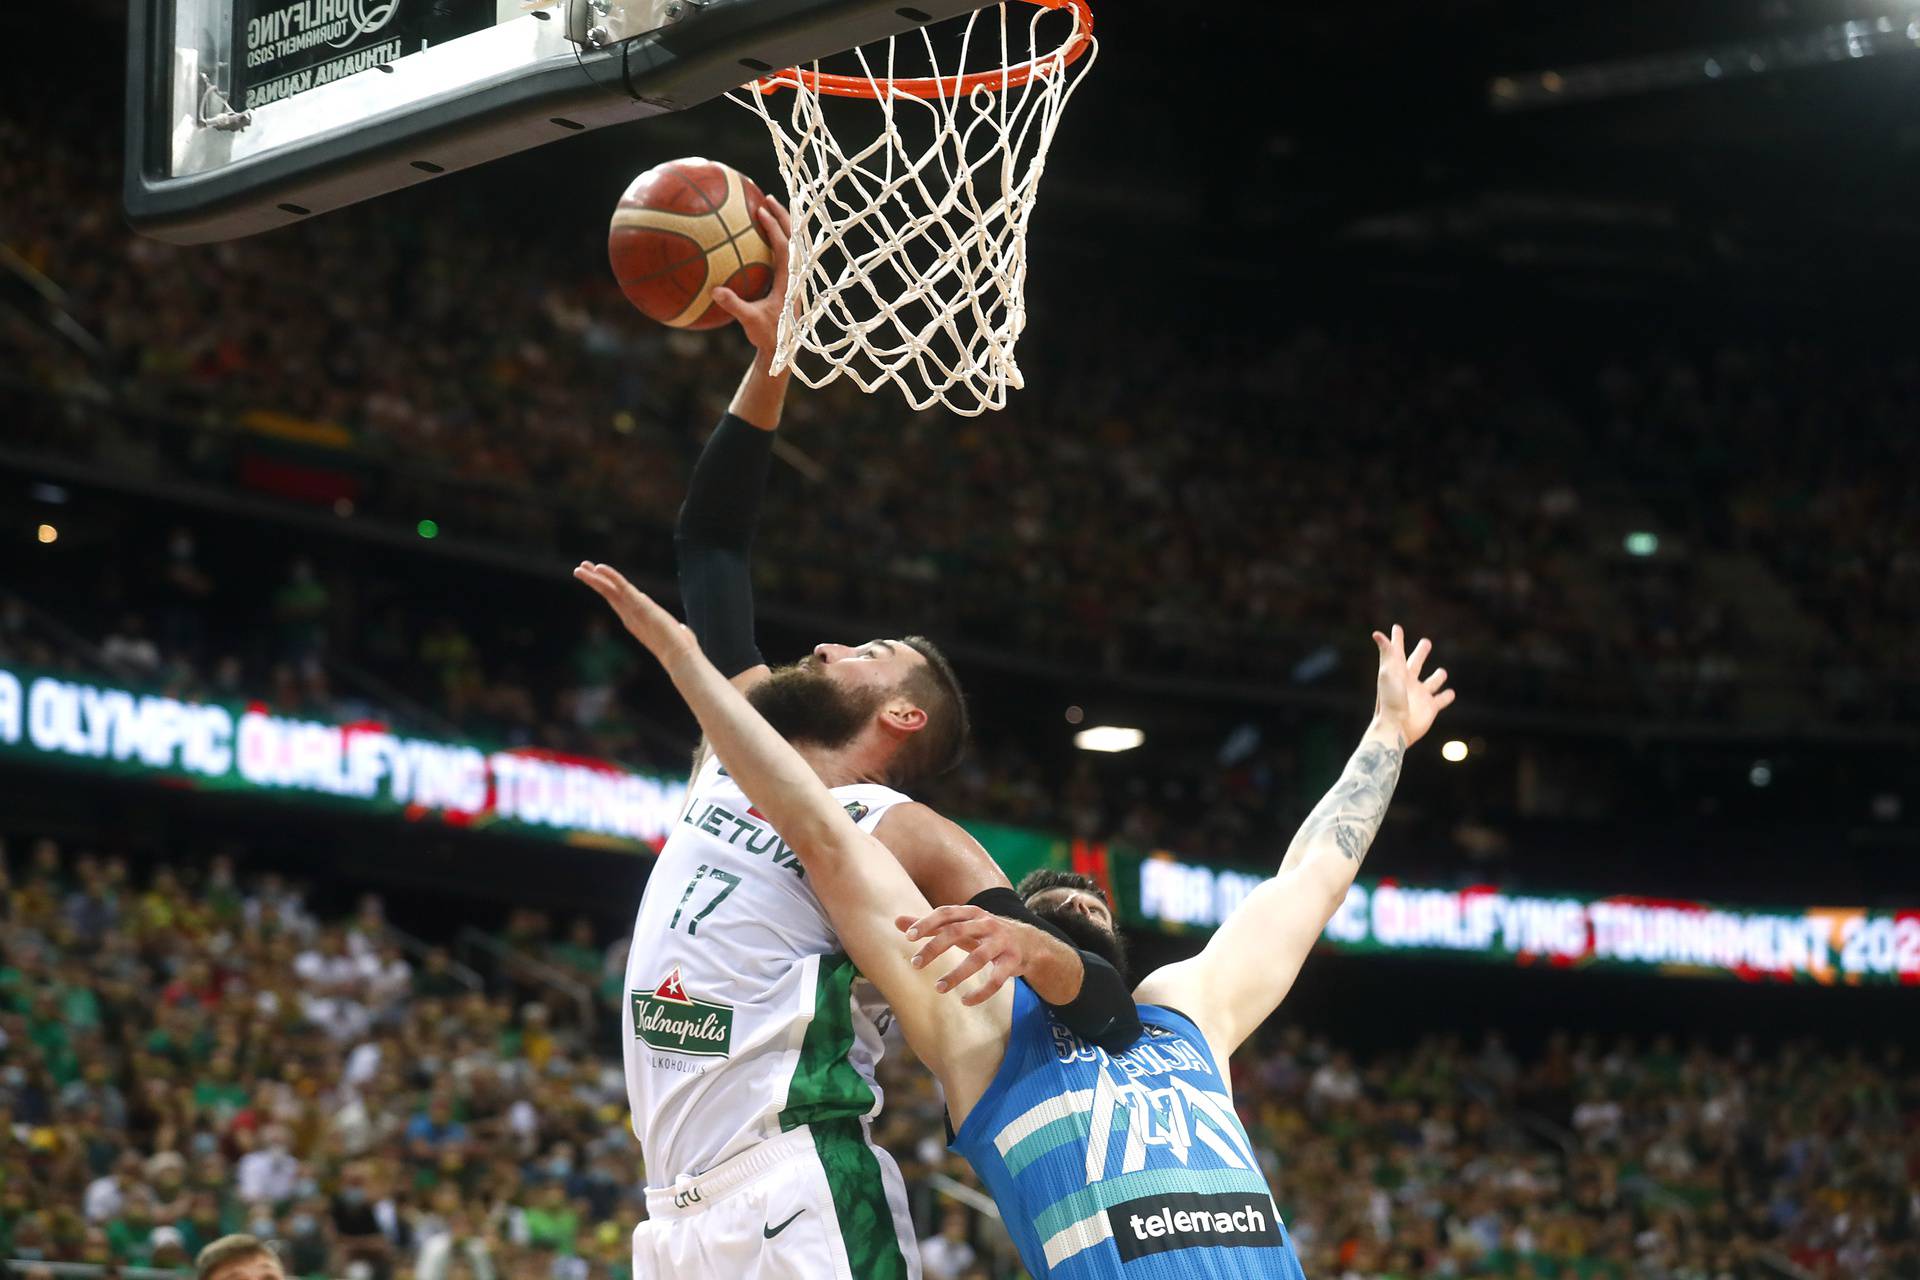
column 908, row 823
column 1158, row 1021
column 944, row 859
column 909, row 816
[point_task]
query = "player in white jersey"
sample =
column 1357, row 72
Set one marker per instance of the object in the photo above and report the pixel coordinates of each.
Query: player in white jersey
column 750, row 1040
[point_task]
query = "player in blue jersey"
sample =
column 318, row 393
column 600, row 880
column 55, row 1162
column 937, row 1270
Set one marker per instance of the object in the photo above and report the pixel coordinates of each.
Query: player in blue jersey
column 1128, row 1164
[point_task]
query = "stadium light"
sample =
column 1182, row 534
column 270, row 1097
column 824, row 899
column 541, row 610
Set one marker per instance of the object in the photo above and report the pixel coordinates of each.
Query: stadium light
column 1761, row 774
column 1453, row 751
column 1108, row 737
column 1641, row 543
column 47, row 533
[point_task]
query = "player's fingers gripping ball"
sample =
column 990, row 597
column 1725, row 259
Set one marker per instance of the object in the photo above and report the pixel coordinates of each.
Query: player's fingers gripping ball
column 684, row 229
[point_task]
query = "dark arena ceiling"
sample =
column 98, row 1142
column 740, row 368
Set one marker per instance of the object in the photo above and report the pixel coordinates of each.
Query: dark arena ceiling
column 1613, row 144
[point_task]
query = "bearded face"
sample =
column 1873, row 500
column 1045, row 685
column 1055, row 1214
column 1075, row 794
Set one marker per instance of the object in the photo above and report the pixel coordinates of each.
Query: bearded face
column 1086, row 933
column 804, row 705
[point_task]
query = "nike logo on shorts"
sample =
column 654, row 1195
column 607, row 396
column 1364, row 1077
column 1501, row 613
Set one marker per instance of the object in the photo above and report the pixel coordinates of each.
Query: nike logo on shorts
column 770, row 1232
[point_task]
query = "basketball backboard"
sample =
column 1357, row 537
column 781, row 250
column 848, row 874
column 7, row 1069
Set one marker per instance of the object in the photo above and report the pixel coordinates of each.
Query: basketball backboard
column 247, row 115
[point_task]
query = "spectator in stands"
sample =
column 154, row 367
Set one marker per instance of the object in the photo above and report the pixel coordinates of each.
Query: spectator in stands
column 238, row 1257
column 300, row 611
column 185, row 589
column 107, row 1195
column 600, row 662
column 131, row 650
column 270, row 1172
column 948, row 1255
column 356, row 1223
column 577, row 952
column 437, row 979
column 435, row 1127
column 455, row 1242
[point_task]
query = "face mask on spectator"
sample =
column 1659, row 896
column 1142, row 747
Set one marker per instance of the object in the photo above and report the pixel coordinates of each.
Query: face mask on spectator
column 355, row 1196
column 262, row 1227
column 303, row 1224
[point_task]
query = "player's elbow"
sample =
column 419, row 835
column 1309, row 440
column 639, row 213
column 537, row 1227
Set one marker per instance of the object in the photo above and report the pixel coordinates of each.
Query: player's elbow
column 1331, row 875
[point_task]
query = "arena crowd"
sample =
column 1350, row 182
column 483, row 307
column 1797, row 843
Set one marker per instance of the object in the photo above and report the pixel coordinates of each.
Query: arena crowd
column 189, row 1052
column 1172, row 503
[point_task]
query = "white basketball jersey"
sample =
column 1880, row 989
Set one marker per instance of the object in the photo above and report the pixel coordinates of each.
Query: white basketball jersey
column 742, row 1018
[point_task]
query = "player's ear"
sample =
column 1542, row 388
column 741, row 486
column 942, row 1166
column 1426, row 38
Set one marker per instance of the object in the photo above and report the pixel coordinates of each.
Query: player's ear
column 901, row 716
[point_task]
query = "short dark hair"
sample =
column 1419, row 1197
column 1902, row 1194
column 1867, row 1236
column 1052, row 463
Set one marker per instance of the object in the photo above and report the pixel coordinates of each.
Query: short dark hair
column 228, row 1249
column 1047, row 878
column 941, row 745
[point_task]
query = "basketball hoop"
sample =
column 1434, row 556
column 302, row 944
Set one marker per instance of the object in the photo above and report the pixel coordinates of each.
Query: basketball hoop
column 909, row 253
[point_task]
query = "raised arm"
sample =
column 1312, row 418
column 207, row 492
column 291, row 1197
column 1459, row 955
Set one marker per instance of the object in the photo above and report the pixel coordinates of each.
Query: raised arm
column 1249, row 965
column 861, row 884
column 713, row 538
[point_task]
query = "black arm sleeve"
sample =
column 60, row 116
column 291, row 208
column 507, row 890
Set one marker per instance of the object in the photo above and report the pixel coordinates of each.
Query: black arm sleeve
column 1104, row 1012
column 714, row 537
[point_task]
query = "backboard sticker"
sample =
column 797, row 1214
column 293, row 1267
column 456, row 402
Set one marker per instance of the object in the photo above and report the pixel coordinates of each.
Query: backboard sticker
column 283, row 48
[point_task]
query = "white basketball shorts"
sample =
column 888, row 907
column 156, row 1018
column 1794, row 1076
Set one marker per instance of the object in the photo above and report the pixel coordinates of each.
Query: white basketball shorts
column 819, row 1202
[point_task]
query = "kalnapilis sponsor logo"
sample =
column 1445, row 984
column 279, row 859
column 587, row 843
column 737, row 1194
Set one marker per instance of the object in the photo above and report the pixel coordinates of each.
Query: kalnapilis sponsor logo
column 667, row 1018
column 1230, row 1220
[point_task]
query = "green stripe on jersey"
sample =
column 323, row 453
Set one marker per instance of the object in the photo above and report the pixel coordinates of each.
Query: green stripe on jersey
column 860, row 1204
column 825, row 1084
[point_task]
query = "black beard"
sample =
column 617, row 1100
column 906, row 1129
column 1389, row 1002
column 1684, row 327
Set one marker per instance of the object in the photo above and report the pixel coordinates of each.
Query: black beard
column 804, row 705
column 1083, row 933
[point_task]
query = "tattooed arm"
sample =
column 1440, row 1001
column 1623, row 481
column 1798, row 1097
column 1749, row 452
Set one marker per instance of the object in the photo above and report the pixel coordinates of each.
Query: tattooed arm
column 1249, row 965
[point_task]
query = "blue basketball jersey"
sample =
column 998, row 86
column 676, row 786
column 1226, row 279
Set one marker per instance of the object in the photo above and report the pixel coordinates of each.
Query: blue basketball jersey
column 1127, row 1166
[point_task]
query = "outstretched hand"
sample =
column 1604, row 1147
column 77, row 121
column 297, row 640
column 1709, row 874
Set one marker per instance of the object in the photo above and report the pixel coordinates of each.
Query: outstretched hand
column 1003, row 948
column 760, row 319
column 1404, row 699
column 665, row 637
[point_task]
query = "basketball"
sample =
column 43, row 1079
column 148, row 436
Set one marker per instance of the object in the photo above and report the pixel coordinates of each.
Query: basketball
column 683, row 229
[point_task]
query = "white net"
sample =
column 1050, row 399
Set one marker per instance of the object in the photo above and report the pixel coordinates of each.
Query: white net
column 909, row 250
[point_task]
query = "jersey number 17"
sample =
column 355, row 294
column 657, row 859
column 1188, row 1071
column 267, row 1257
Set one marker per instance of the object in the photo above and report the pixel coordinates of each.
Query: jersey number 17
column 726, row 879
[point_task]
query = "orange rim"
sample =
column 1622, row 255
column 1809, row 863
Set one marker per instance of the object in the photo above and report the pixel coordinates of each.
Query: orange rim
column 944, row 86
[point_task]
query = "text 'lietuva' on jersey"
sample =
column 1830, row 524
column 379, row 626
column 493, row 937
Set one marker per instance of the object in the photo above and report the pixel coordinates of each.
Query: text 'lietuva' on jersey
column 1127, row 1166
column 743, row 1018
